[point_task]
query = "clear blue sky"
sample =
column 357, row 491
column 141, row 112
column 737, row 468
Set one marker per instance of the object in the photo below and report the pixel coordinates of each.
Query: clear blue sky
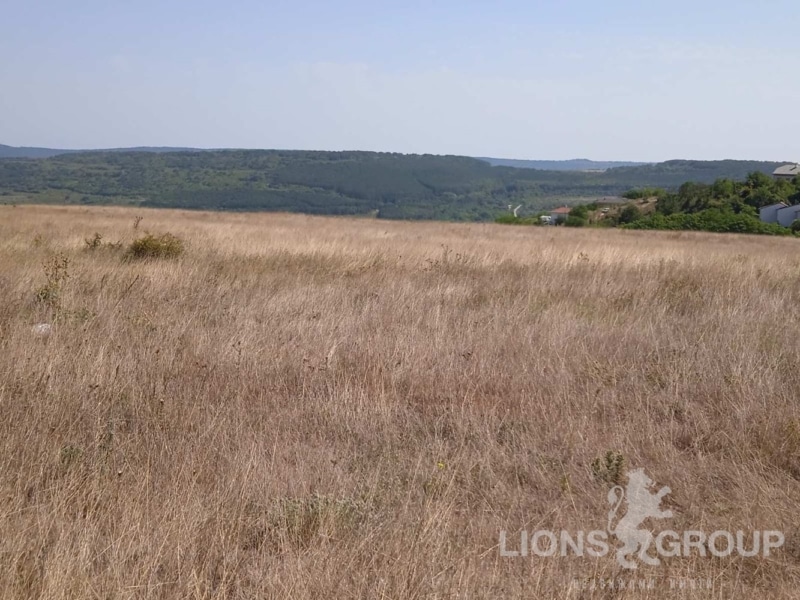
column 616, row 80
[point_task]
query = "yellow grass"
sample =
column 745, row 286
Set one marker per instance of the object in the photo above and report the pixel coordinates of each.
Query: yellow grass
column 309, row 407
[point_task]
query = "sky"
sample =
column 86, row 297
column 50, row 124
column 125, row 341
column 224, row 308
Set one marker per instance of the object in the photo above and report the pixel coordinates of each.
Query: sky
column 616, row 80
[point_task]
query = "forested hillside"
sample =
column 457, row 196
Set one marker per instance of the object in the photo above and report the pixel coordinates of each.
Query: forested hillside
column 576, row 164
column 356, row 183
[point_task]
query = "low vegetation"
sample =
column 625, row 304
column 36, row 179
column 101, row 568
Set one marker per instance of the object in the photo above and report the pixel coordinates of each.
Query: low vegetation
column 725, row 206
column 165, row 245
column 712, row 219
column 307, row 407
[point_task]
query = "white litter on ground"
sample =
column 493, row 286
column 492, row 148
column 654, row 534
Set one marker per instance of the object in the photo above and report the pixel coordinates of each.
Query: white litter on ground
column 42, row 329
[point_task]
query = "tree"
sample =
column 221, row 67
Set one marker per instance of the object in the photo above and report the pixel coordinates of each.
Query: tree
column 581, row 212
column 723, row 188
column 630, row 214
column 757, row 179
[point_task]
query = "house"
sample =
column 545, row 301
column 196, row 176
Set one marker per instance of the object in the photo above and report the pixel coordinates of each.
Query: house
column 769, row 214
column 786, row 172
column 788, row 215
column 559, row 215
column 779, row 213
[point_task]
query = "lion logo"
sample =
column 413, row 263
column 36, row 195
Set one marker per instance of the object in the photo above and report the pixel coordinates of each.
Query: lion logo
column 642, row 504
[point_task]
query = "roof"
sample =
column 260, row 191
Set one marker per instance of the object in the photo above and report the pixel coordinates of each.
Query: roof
column 562, row 210
column 782, row 204
column 787, row 171
column 794, row 208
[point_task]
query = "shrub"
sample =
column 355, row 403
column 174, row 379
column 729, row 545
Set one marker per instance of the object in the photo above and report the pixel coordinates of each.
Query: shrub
column 94, row 243
column 573, row 221
column 796, row 226
column 70, row 455
column 151, row 246
column 609, row 468
column 299, row 520
column 56, row 272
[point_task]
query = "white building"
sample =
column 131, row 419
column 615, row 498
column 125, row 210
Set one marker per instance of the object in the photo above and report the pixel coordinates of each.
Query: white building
column 788, row 215
column 559, row 215
column 786, row 172
column 769, row 214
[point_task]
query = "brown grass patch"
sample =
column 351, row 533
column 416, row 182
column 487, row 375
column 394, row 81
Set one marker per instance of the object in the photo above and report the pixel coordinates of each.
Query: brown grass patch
column 326, row 408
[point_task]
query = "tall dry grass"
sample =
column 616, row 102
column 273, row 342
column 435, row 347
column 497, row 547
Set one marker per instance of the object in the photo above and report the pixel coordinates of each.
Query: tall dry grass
column 305, row 407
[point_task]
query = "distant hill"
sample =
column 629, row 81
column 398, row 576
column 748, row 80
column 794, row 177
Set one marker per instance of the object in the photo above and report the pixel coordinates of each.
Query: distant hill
column 27, row 152
column 576, row 164
column 382, row 184
column 673, row 173
column 12, row 152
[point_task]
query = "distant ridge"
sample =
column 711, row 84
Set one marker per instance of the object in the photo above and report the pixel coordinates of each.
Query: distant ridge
column 12, row 152
column 576, row 164
column 30, row 152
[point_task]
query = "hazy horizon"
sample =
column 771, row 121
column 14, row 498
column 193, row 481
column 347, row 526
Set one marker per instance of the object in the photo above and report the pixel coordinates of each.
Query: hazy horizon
column 207, row 148
column 623, row 81
column 509, row 158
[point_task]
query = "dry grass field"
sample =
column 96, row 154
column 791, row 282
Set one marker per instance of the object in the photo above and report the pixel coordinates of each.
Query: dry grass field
column 304, row 407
